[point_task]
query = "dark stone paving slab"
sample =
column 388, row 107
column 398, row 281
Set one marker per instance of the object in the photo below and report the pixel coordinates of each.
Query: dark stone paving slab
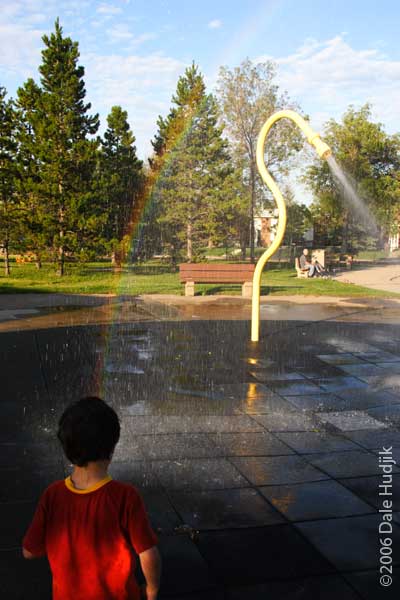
column 141, row 474
column 24, row 579
column 275, row 470
column 257, row 555
column 351, row 420
column 17, row 349
column 267, row 375
column 129, row 449
column 378, row 356
column 27, row 455
column 389, row 382
column 25, row 485
column 199, row 474
column 210, row 594
column 313, row 441
column 316, row 500
column 337, row 384
column 341, row 358
column 327, row 587
column 315, row 402
column 184, row 569
column 295, row 389
column 224, row 509
column 389, row 367
column 162, row 513
column 152, row 425
column 368, row 489
column 181, row 445
column 367, row 584
column 287, row 422
column 249, row 444
column 373, row 438
column 241, row 391
column 349, row 543
column 346, row 464
column 318, row 370
column 390, row 415
column 366, row 398
column 361, row 370
column 15, row 518
column 260, row 406
column 178, row 404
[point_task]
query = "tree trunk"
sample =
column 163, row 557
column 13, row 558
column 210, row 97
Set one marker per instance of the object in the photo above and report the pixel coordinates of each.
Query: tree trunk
column 189, row 242
column 7, row 270
column 61, row 256
column 345, row 233
column 61, row 215
column 252, row 208
column 243, row 235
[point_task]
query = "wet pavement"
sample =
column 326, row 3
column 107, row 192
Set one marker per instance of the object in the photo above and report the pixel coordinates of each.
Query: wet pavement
column 258, row 463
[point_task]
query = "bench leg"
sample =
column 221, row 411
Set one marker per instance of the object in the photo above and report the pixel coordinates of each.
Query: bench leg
column 189, row 288
column 247, row 289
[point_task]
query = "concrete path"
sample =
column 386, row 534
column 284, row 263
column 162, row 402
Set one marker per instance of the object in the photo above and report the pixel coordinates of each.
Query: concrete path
column 378, row 277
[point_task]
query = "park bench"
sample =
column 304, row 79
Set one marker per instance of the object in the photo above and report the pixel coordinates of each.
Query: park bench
column 300, row 272
column 217, row 273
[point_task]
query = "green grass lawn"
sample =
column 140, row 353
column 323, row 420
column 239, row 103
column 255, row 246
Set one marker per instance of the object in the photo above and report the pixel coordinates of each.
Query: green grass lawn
column 158, row 279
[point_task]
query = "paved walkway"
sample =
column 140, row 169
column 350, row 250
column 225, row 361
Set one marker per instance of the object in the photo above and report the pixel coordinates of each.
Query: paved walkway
column 49, row 311
column 258, row 464
column 378, row 277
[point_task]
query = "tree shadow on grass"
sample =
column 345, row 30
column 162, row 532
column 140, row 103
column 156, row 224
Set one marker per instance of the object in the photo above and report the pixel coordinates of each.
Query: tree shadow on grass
column 13, row 289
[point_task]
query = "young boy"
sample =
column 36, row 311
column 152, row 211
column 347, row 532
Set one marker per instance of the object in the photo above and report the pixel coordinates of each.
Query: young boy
column 88, row 524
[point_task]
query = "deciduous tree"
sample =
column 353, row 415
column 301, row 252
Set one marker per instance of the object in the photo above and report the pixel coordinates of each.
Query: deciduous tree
column 248, row 95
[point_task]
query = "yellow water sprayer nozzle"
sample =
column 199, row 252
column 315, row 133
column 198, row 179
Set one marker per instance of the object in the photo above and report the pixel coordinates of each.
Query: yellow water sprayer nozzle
column 324, row 152
column 322, row 149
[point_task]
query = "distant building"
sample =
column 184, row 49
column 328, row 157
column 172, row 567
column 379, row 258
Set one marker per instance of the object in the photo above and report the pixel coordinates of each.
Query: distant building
column 265, row 223
column 394, row 240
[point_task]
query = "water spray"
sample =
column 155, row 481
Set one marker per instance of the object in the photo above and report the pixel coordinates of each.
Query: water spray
column 323, row 152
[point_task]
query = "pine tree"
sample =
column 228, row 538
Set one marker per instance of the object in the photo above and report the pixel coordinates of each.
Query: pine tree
column 36, row 220
column 192, row 161
column 9, row 207
column 121, row 179
column 65, row 155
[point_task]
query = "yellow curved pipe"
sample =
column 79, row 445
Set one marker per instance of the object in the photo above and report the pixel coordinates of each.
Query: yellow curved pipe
column 323, row 151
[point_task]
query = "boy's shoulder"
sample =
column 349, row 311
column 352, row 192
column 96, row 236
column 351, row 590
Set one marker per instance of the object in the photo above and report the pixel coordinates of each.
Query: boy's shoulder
column 123, row 488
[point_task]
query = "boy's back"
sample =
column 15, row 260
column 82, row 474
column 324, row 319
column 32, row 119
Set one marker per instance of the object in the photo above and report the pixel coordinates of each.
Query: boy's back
column 89, row 526
column 88, row 535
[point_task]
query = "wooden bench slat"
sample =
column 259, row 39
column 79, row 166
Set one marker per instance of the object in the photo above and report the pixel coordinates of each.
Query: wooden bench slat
column 216, row 273
column 221, row 273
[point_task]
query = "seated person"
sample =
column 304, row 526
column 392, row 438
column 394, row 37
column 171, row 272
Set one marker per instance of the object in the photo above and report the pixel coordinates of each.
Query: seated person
column 313, row 267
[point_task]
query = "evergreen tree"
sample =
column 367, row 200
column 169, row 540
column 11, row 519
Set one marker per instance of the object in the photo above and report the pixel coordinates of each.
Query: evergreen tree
column 65, row 156
column 9, row 207
column 121, row 179
column 35, row 219
column 193, row 162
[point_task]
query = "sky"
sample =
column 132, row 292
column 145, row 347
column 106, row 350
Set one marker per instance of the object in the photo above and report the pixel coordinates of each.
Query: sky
column 328, row 55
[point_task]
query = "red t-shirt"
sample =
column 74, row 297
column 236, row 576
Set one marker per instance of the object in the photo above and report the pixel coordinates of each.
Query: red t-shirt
column 88, row 536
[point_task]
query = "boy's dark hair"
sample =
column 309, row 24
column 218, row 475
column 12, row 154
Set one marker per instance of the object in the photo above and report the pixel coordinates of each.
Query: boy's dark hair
column 88, row 431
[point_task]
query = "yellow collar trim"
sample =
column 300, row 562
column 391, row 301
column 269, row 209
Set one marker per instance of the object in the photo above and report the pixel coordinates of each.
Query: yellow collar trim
column 92, row 488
